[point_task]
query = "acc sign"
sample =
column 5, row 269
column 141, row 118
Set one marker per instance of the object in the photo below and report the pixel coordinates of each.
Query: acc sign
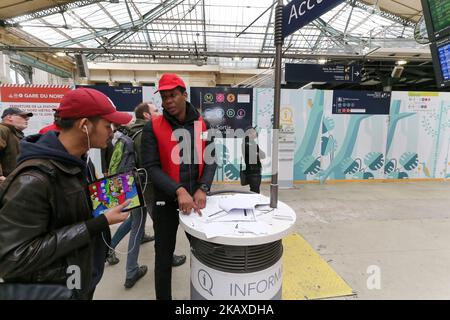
column 299, row 13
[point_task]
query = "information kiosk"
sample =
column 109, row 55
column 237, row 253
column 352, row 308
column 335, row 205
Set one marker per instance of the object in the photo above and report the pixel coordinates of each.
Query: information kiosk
column 237, row 254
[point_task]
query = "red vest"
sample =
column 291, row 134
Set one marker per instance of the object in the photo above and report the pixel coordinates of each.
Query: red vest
column 169, row 152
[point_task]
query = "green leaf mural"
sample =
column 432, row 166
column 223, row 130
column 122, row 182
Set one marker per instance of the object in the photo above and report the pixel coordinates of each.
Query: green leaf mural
column 363, row 175
column 349, row 165
column 336, row 168
column 390, row 166
column 328, row 145
column 222, row 155
column 310, row 165
column 398, row 175
column 409, row 160
column 312, row 133
column 327, row 125
column 374, row 160
column 231, row 172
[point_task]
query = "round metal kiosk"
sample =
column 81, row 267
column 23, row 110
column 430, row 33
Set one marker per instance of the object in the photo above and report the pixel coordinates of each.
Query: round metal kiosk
column 238, row 266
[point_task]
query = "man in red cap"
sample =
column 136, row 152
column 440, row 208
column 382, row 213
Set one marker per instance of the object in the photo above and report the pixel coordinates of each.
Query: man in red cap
column 51, row 246
column 178, row 169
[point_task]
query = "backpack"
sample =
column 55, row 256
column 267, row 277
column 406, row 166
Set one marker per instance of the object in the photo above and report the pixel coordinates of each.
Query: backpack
column 45, row 167
column 124, row 157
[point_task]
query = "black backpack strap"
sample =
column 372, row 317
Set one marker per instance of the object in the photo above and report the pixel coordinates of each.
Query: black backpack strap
column 136, row 156
column 135, row 134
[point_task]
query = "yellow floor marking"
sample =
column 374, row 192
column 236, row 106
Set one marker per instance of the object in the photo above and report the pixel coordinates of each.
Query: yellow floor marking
column 306, row 275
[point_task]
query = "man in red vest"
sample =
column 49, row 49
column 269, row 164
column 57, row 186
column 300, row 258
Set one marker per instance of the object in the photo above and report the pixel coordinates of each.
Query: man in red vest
column 173, row 152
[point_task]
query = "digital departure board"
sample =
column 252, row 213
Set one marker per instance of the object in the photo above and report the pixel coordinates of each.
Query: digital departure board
column 440, row 52
column 444, row 60
column 437, row 18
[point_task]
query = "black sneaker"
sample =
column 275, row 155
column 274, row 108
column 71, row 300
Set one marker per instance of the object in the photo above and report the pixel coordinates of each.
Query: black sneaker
column 111, row 258
column 129, row 283
column 147, row 238
column 178, row 260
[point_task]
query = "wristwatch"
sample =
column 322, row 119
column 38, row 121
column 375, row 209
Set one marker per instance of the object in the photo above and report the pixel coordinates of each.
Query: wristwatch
column 204, row 187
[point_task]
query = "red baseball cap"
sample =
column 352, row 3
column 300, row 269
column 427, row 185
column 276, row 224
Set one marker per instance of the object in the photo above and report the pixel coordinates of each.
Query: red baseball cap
column 86, row 102
column 170, row 81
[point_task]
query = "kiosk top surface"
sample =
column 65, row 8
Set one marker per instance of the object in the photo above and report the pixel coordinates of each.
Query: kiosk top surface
column 218, row 226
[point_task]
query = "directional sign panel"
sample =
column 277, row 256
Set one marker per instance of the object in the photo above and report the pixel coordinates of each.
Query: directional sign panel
column 299, row 13
column 125, row 98
column 361, row 102
column 224, row 108
column 331, row 73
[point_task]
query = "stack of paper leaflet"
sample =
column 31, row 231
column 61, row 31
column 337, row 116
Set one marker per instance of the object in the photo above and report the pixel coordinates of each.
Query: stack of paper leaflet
column 239, row 215
column 234, row 214
column 239, row 207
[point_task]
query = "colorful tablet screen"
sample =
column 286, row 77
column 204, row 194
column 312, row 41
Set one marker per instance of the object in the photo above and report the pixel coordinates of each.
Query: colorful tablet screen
column 111, row 191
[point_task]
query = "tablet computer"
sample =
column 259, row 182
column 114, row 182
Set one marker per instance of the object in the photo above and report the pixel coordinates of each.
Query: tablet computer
column 109, row 192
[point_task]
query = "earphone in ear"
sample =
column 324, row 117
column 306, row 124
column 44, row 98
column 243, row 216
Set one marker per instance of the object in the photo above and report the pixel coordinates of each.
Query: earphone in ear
column 86, row 131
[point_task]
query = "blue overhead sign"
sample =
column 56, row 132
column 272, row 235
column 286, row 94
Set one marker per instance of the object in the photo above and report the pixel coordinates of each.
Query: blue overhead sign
column 299, row 13
column 331, row 73
column 361, row 102
column 125, row 98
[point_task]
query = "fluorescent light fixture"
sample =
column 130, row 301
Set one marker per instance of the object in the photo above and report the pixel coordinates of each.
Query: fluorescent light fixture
column 397, row 72
column 401, row 62
column 310, row 85
column 322, row 61
column 60, row 54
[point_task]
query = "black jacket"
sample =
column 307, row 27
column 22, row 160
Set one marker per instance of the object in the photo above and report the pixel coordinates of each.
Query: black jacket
column 252, row 155
column 164, row 186
column 45, row 218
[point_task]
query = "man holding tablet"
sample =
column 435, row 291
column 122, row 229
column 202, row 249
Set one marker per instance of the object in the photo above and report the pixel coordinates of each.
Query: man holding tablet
column 51, row 246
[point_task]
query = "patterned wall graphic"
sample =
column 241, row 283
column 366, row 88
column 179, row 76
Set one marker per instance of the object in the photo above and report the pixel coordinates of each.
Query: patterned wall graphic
column 263, row 115
column 413, row 141
column 229, row 151
column 263, row 118
column 308, row 106
column 419, row 137
column 353, row 146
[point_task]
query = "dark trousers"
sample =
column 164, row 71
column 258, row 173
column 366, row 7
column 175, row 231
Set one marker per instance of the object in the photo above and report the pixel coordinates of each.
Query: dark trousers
column 254, row 180
column 165, row 225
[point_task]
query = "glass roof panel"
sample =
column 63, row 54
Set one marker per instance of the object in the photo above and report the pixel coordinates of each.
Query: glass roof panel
column 51, row 36
column 182, row 27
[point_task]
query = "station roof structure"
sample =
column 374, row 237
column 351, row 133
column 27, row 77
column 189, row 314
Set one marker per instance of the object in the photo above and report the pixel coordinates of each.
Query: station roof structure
column 229, row 33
